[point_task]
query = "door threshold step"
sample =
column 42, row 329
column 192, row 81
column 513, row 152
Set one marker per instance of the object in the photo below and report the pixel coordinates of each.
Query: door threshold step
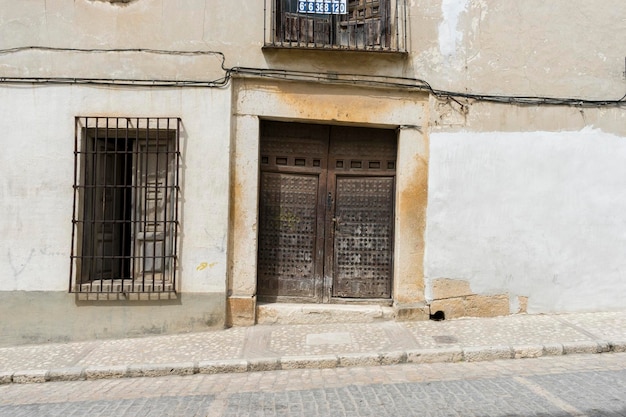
column 289, row 313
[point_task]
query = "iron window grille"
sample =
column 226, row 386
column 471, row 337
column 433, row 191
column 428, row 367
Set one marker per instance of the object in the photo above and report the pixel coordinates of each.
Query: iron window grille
column 125, row 215
column 364, row 25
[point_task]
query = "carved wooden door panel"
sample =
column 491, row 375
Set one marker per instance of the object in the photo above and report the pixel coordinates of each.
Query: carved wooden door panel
column 359, row 242
column 363, row 237
column 291, row 223
column 325, row 212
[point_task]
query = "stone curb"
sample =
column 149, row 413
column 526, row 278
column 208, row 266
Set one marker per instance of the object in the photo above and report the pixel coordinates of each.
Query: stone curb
column 6, row 377
column 30, row 376
column 618, row 346
column 229, row 366
column 66, row 374
column 166, row 369
column 415, row 356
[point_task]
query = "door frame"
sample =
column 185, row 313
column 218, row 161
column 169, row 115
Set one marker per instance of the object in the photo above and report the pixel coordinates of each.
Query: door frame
column 256, row 99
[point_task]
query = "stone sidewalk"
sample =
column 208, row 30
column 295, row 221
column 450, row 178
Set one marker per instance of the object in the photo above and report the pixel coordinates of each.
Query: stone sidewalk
column 299, row 346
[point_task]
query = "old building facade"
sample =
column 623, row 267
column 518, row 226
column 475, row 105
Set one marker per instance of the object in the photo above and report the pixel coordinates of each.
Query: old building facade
column 172, row 166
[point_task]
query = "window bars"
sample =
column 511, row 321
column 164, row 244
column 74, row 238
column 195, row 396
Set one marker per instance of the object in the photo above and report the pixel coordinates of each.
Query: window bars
column 361, row 25
column 125, row 215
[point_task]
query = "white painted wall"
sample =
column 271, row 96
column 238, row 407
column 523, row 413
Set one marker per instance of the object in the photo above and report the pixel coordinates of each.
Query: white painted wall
column 37, row 161
column 535, row 214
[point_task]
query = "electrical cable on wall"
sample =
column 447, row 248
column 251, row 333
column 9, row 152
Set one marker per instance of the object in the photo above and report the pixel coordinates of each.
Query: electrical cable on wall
column 220, row 82
column 415, row 84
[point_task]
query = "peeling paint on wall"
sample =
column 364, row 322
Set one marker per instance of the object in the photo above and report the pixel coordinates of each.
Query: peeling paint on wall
column 449, row 34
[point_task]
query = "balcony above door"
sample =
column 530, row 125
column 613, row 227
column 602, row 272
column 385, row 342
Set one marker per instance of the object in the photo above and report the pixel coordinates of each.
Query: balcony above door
column 346, row 25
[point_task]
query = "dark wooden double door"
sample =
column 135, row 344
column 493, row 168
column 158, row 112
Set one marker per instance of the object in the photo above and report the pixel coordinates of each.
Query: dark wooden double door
column 325, row 212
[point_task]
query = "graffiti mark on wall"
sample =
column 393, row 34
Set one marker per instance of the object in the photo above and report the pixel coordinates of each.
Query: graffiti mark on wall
column 205, row 265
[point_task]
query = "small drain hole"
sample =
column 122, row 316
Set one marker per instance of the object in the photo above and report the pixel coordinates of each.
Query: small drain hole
column 438, row 316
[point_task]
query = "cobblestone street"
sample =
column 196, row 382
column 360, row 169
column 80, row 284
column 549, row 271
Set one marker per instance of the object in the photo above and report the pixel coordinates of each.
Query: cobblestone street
column 569, row 385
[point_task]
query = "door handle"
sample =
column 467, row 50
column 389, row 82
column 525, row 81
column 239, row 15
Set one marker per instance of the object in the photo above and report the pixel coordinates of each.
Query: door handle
column 329, row 201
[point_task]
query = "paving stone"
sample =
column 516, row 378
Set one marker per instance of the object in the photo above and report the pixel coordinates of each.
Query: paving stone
column 186, row 406
column 590, row 391
column 319, row 345
column 488, row 397
column 601, row 325
column 522, row 329
column 46, row 356
column 190, row 347
column 364, row 337
column 442, row 389
column 337, row 338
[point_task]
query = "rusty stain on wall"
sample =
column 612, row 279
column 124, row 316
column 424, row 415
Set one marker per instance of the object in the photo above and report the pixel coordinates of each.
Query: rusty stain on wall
column 307, row 102
column 344, row 108
column 238, row 216
column 411, row 210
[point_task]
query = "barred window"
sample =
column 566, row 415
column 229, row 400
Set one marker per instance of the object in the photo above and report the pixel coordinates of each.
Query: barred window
column 370, row 25
column 125, row 217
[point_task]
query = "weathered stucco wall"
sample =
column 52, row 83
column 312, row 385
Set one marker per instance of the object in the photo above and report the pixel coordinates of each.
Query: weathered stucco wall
column 54, row 316
column 36, row 204
column 538, row 214
column 534, row 47
column 556, row 48
column 38, row 173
